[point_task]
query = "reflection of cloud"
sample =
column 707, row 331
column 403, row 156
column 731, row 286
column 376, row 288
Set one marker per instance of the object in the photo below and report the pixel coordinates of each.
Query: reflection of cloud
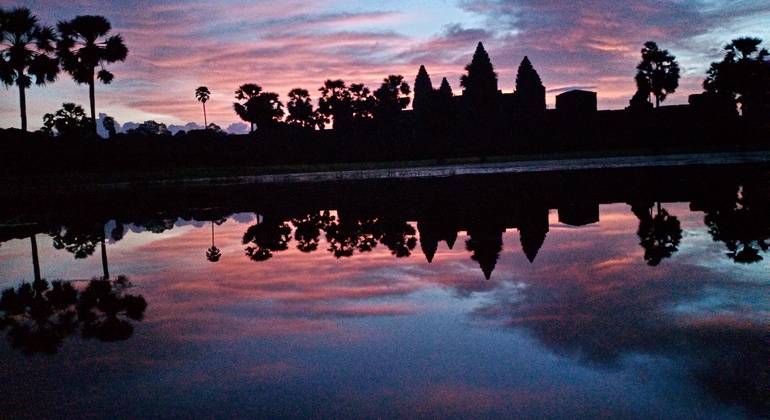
column 610, row 307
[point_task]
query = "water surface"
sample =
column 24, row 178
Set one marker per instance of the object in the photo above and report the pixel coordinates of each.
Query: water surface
column 605, row 294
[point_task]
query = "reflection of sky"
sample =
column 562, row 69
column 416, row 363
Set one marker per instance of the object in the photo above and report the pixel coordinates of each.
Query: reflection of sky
column 586, row 328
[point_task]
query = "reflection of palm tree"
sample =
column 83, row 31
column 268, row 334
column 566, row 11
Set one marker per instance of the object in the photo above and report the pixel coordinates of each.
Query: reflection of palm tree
column 78, row 240
column 269, row 237
column 35, row 259
column 308, row 230
column 740, row 227
column 81, row 241
column 660, row 235
column 213, row 253
column 100, row 305
column 345, row 236
column 393, row 234
column 39, row 315
column 105, row 267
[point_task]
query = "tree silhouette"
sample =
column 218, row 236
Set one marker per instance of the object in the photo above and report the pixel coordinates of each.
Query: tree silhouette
column 658, row 72
column 203, row 94
column 660, row 235
column 345, row 236
column 109, row 125
column 335, row 104
column 78, row 240
column 745, row 71
column 397, row 235
column 301, row 109
column 81, row 50
column 81, row 240
column 391, row 97
column 25, row 51
column 529, row 88
column 150, row 128
column 259, row 108
column 362, row 103
column 481, row 81
column 69, row 121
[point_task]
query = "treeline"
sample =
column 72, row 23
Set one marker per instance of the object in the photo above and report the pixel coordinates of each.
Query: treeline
column 372, row 125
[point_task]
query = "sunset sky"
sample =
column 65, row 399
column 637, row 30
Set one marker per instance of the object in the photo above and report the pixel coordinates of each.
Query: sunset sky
column 176, row 46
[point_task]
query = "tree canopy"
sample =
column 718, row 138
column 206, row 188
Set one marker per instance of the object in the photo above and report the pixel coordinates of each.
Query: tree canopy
column 81, row 49
column 259, row 108
column 300, row 108
column 392, row 96
column 69, row 121
column 657, row 73
column 335, row 103
column 26, row 51
column 203, row 94
column 744, row 72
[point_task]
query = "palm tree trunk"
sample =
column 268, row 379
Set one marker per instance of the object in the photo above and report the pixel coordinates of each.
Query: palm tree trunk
column 92, row 97
column 23, row 107
column 205, row 121
column 35, row 260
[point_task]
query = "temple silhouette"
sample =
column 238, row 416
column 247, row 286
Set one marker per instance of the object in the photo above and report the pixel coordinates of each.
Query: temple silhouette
column 478, row 123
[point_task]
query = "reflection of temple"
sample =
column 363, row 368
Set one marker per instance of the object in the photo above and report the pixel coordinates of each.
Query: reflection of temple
column 377, row 212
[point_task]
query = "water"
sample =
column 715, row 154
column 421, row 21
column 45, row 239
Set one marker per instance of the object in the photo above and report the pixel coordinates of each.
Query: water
column 626, row 293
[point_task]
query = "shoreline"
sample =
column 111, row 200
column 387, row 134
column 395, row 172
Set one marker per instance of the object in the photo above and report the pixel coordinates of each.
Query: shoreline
column 442, row 171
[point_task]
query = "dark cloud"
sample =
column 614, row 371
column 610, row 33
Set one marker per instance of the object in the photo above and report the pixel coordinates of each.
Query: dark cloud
column 602, row 320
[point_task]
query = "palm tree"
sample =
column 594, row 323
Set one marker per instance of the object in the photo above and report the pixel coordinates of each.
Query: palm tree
column 261, row 108
column 25, row 51
column 745, row 72
column 658, row 72
column 202, row 93
column 81, row 49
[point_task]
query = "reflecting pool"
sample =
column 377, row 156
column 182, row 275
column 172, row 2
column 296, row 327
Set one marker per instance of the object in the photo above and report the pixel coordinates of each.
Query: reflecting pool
column 626, row 293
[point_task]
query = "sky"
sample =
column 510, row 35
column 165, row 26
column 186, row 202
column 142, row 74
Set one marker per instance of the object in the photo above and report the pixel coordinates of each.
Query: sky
column 177, row 45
